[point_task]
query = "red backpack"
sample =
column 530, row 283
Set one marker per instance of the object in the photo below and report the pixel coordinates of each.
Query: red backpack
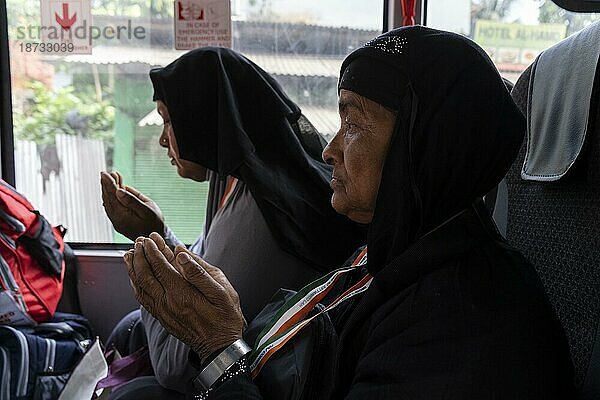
column 32, row 263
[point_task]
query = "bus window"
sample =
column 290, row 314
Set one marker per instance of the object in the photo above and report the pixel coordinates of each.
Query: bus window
column 512, row 32
column 78, row 114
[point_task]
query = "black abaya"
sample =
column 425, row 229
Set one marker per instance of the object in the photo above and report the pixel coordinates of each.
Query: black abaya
column 453, row 312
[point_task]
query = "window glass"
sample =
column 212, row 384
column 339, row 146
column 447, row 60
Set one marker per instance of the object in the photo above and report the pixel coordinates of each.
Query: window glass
column 78, row 114
column 512, row 32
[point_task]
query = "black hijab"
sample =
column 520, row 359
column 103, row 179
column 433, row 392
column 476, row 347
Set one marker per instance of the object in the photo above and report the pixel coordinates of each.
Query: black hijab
column 233, row 118
column 457, row 130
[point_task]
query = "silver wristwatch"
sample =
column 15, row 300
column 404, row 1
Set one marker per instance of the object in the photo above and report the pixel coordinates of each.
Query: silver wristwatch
column 217, row 367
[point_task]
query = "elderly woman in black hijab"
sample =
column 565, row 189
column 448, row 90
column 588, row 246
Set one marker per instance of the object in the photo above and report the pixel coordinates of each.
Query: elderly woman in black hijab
column 444, row 308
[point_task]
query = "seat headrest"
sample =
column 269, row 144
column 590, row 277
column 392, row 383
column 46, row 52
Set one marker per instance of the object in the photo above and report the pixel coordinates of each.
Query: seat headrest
column 558, row 105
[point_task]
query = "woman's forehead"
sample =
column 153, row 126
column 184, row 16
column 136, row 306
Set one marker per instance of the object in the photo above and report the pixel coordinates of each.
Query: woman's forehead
column 352, row 102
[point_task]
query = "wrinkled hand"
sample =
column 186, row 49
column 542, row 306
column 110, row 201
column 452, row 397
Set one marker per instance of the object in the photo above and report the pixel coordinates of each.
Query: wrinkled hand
column 213, row 271
column 192, row 299
column 132, row 213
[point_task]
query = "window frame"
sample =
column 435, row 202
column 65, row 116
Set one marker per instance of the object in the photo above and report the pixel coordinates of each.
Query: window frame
column 7, row 155
column 393, row 16
column 7, row 146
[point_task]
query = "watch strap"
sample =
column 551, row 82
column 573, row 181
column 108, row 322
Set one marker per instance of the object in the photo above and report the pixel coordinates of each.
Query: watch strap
column 220, row 364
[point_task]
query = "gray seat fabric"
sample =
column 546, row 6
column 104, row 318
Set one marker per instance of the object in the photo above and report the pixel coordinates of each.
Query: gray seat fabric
column 557, row 226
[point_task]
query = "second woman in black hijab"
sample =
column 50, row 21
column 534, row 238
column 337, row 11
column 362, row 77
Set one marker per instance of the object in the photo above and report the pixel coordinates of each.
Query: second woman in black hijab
column 452, row 312
column 232, row 118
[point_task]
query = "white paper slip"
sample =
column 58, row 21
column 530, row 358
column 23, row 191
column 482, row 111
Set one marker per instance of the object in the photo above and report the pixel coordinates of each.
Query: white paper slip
column 84, row 378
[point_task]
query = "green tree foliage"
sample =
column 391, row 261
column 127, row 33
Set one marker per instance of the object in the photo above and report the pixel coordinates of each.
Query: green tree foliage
column 133, row 8
column 47, row 114
column 550, row 13
column 22, row 13
column 495, row 10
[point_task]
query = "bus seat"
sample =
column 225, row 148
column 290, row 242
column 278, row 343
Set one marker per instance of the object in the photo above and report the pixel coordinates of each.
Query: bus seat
column 554, row 192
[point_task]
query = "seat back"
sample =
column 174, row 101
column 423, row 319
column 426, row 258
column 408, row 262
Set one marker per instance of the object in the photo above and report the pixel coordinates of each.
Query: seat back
column 557, row 227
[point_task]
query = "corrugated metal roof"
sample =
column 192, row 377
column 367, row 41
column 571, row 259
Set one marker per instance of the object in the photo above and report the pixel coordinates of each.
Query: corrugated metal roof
column 152, row 118
column 298, row 65
column 122, row 55
column 326, row 120
column 277, row 64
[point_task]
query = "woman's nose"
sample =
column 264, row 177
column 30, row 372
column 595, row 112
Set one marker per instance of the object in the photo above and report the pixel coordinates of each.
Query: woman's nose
column 327, row 157
column 163, row 140
column 331, row 151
